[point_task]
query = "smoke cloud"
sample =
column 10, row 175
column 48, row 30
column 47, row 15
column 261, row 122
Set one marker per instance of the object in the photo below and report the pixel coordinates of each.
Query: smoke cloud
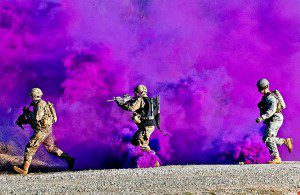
column 202, row 57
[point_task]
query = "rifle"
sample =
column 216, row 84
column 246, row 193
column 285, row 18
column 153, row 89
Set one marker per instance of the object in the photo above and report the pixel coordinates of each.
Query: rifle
column 123, row 99
column 24, row 118
column 157, row 117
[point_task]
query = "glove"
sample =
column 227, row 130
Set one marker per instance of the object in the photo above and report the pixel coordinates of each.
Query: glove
column 126, row 98
column 259, row 119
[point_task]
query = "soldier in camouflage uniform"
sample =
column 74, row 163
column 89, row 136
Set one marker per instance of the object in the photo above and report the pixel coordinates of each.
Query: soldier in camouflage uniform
column 271, row 107
column 42, row 121
column 139, row 105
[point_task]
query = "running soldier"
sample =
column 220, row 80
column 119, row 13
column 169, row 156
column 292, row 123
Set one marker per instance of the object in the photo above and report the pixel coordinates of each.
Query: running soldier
column 41, row 121
column 271, row 107
column 145, row 115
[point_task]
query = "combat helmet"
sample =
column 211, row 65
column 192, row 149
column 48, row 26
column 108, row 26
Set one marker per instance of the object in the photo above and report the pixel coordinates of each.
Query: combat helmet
column 36, row 92
column 262, row 84
column 141, row 90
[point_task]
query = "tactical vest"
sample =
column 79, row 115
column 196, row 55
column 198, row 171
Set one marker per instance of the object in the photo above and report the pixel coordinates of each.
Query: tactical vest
column 263, row 106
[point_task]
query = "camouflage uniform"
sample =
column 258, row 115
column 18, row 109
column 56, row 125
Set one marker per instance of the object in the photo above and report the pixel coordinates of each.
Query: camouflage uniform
column 41, row 121
column 273, row 120
column 145, row 127
column 42, row 127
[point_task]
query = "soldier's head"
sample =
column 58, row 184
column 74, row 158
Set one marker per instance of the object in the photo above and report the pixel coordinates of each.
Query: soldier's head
column 140, row 91
column 35, row 94
column 263, row 86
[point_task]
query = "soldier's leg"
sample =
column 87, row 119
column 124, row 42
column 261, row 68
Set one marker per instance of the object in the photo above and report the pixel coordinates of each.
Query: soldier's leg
column 271, row 140
column 280, row 141
column 51, row 147
column 277, row 123
column 35, row 141
column 135, row 138
column 146, row 139
column 146, row 136
column 31, row 148
column 142, row 136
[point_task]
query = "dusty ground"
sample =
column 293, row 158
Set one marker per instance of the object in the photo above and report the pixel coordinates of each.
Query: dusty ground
column 8, row 161
column 207, row 179
column 9, row 158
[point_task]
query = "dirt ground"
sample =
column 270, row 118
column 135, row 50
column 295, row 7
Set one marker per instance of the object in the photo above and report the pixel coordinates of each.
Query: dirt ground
column 191, row 179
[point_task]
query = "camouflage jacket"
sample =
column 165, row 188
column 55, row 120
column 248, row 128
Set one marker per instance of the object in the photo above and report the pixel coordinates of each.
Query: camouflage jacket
column 42, row 116
column 133, row 105
column 270, row 109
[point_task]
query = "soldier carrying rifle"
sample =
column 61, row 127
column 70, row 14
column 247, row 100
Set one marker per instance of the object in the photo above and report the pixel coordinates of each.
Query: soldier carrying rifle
column 41, row 121
column 146, row 115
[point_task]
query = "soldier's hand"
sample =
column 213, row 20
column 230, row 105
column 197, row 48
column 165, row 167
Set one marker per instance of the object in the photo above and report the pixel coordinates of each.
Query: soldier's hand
column 259, row 119
column 126, row 98
column 118, row 99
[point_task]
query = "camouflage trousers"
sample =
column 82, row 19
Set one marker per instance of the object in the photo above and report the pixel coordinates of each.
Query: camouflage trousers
column 270, row 135
column 142, row 137
column 44, row 137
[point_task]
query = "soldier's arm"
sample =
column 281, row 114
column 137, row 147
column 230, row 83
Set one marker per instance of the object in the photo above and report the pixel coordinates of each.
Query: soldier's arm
column 272, row 107
column 39, row 112
column 131, row 105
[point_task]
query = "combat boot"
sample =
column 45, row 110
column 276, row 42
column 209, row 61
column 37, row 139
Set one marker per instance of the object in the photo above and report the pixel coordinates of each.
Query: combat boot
column 23, row 171
column 157, row 164
column 276, row 160
column 289, row 144
column 70, row 160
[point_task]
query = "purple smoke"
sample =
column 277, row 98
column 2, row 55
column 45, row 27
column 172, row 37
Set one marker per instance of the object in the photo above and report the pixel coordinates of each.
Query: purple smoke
column 202, row 57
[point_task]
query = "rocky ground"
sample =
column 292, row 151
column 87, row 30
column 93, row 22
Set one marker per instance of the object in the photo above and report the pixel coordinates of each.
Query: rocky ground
column 192, row 179
column 8, row 161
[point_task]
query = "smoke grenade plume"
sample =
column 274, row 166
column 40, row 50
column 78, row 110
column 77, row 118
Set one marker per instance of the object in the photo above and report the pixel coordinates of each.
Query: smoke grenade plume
column 202, row 57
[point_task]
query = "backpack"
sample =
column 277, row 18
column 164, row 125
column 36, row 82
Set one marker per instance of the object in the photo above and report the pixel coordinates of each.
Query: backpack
column 281, row 104
column 53, row 112
column 152, row 111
